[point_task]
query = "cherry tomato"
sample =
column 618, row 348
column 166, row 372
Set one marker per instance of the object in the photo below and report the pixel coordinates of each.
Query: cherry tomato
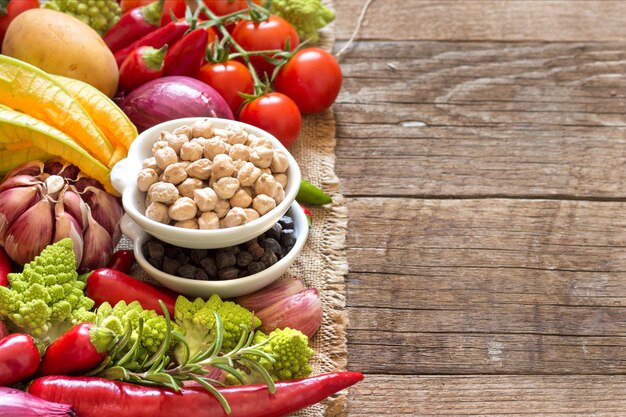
column 14, row 8
column 275, row 113
column 267, row 34
column 222, row 7
column 228, row 79
column 176, row 7
column 311, row 78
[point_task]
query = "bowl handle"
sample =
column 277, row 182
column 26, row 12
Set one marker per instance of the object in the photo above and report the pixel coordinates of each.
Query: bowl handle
column 131, row 229
column 119, row 176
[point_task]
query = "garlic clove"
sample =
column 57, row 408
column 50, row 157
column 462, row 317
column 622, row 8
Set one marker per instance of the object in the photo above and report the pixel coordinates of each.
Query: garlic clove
column 105, row 209
column 13, row 203
column 272, row 293
column 98, row 246
column 19, row 181
column 83, row 181
column 30, row 233
column 32, row 168
column 75, row 206
column 62, row 168
column 67, row 226
column 53, row 185
column 302, row 311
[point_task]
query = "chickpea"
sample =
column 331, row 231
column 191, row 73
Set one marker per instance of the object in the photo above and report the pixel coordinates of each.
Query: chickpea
column 221, row 208
column 199, row 141
column 279, row 194
column 202, row 128
column 226, row 187
column 183, row 209
column 151, row 163
column 188, row 224
column 251, row 214
column 222, row 166
column 183, row 130
column 146, row 178
column 281, row 179
column 191, row 151
column 205, row 198
column 255, row 141
column 266, row 171
column 248, row 174
column 214, row 147
column 200, row 169
column 266, row 184
column 235, row 134
column 209, row 220
column 158, row 212
column 280, row 163
column 239, row 151
column 235, row 217
column 175, row 140
column 175, row 173
column 241, row 199
column 187, row 187
column 163, row 192
column 261, row 156
column 262, row 203
column 238, row 164
column 159, row 144
column 165, row 156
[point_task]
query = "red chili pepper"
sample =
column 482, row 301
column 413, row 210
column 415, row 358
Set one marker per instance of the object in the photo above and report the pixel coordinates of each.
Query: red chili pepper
column 79, row 350
column 19, row 358
column 140, row 66
column 167, row 34
column 5, row 268
column 95, row 397
column 122, row 260
column 186, row 56
column 113, row 286
column 133, row 25
column 307, row 213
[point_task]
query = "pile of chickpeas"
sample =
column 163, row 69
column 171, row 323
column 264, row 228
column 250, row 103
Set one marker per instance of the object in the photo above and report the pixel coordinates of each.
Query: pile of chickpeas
column 202, row 177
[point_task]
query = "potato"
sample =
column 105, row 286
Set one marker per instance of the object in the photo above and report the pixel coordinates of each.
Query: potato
column 61, row 44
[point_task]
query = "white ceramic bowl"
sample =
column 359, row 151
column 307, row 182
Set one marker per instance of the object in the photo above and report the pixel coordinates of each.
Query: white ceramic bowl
column 226, row 288
column 124, row 178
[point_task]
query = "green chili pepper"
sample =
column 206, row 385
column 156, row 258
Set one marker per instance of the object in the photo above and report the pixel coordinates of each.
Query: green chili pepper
column 310, row 194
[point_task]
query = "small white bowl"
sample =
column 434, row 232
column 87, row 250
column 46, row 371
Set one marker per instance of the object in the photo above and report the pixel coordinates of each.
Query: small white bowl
column 226, row 288
column 124, row 179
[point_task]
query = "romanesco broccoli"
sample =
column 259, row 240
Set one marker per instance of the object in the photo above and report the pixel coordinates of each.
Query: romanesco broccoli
column 46, row 298
column 198, row 322
column 307, row 16
column 291, row 351
column 99, row 14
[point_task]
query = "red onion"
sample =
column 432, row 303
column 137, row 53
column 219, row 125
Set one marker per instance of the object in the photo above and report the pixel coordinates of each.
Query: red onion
column 174, row 97
column 16, row 403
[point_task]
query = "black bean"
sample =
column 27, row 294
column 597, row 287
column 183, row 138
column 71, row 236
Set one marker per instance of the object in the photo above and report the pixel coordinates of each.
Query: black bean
column 228, row 273
column 187, row 271
column 255, row 250
column 287, row 237
column 269, row 258
column 201, row 275
column 286, row 222
column 285, row 251
column 209, row 266
column 197, row 255
column 244, row 258
column 170, row 266
column 255, row 267
column 272, row 245
column 155, row 263
column 274, row 232
column 225, row 258
column 155, row 250
column 183, row 258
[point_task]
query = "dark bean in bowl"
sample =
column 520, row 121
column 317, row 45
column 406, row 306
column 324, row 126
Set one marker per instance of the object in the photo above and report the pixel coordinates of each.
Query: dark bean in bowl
column 239, row 261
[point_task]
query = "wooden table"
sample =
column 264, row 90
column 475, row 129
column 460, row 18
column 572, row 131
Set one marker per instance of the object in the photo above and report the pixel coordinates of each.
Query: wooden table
column 482, row 152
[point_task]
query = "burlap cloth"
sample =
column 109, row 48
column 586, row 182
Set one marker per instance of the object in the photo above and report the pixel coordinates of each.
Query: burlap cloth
column 322, row 263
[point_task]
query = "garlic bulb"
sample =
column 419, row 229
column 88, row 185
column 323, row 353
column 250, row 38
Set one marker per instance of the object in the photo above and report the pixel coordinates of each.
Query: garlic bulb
column 43, row 203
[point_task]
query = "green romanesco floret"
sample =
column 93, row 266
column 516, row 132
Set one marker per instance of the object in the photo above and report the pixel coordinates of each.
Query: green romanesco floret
column 307, row 16
column 46, row 298
column 119, row 317
column 99, row 14
column 197, row 321
column 291, row 351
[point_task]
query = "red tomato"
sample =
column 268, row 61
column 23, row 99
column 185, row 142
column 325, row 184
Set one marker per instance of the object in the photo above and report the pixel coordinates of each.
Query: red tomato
column 312, row 78
column 222, row 7
column 127, row 5
column 177, row 7
column 14, row 8
column 275, row 113
column 228, row 79
column 267, row 34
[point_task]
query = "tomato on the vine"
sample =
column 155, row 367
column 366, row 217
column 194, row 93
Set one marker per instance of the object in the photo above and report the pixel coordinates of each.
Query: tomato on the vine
column 222, row 7
column 275, row 113
column 265, row 35
column 228, row 78
column 312, row 78
column 9, row 11
column 175, row 7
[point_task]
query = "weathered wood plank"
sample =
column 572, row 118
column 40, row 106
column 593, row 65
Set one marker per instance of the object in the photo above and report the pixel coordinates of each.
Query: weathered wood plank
column 485, row 20
column 398, row 396
column 483, row 119
column 487, row 286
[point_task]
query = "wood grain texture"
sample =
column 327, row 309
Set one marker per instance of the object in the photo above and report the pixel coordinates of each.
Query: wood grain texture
column 397, row 396
column 506, row 20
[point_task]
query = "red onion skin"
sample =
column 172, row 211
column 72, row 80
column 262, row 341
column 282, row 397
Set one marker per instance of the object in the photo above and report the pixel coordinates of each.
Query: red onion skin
column 16, row 403
column 173, row 97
